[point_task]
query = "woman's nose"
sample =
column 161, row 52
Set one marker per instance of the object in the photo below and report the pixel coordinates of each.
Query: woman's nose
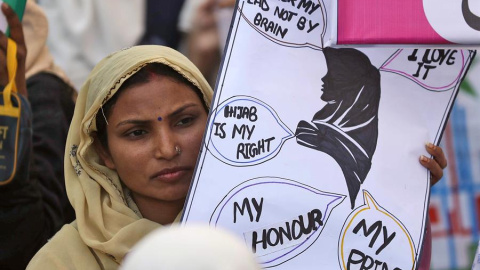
column 165, row 145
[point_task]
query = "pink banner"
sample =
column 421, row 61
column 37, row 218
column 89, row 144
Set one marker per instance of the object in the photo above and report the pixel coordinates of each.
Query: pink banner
column 385, row 22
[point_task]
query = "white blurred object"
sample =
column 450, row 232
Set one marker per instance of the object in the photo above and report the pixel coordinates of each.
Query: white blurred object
column 191, row 247
column 84, row 31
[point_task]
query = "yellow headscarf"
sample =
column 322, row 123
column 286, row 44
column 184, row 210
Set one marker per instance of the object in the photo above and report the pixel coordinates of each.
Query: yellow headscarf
column 107, row 219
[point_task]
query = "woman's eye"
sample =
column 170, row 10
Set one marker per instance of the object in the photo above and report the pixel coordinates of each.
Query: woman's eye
column 136, row 133
column 185, row 121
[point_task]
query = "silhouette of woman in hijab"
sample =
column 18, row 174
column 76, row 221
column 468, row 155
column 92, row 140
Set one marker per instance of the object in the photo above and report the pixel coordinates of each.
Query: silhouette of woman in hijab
column 347, row 127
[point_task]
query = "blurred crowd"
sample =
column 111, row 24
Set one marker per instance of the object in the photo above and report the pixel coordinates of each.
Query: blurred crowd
column 83, row 32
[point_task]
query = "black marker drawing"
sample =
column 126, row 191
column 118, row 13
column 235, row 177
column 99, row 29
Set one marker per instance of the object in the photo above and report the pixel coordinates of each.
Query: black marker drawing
column 471, row 19
column 246, row 132
column 347, row 127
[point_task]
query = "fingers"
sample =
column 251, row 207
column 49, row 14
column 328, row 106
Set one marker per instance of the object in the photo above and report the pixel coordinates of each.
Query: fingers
column 16, row 34
column 16, row 31
column 436, row 171
column 436, row 164
column 437, row 154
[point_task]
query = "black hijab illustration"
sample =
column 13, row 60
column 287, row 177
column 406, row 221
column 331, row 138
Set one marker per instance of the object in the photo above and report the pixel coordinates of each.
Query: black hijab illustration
column 347, row 127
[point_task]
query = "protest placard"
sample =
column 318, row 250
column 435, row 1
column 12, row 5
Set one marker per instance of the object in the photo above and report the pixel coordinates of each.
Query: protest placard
column 311, row 152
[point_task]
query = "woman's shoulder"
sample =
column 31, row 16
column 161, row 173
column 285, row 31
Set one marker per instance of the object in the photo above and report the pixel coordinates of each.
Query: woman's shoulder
column 66, row 250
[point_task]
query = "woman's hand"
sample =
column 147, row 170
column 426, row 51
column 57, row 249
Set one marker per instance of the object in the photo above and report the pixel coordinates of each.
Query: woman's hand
column 16, row 34
column 436, row 164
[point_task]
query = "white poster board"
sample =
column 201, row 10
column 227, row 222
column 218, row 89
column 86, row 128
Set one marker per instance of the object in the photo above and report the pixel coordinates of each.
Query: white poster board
column 311, row 153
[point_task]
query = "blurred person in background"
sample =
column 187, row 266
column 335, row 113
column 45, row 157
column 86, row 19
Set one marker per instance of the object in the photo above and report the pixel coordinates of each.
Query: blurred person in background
column 35, row 207
column 205, row 25
column 85, row 31
column 161, row 23
column 52, row 98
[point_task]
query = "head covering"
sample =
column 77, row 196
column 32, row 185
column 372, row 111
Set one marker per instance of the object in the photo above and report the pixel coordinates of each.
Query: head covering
column 346, row 128
column 107, row 219
column 193, row 247
column 349, row 64
column 35, row 29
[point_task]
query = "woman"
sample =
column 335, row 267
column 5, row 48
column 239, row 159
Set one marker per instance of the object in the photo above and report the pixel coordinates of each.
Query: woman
column 37, row 193
column 52, row 99
column 152, row 147
column 131, row 150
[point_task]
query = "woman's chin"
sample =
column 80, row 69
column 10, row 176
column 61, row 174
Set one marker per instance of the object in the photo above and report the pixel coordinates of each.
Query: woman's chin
column 326, row 98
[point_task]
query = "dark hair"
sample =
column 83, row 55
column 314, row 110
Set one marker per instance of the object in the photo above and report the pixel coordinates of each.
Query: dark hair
column 145, row 75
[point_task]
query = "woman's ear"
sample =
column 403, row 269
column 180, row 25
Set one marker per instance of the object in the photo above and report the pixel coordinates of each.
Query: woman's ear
column 103, row 153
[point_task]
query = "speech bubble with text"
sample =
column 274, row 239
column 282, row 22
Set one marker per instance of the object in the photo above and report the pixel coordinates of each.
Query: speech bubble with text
column 275, row 227
column 246, row 131
column 372, row 238
column 292, row 23
column 432, row 69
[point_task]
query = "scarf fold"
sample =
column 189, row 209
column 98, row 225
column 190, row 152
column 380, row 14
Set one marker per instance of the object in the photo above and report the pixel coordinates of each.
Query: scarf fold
column 35, row 29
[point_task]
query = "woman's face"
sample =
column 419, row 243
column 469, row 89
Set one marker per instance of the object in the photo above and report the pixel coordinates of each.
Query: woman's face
column 146, row 125
column 337, row 85
column 327, row 88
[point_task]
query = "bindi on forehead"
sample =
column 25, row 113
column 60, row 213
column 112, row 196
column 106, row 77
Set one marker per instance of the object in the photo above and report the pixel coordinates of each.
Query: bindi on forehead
column 159, row 118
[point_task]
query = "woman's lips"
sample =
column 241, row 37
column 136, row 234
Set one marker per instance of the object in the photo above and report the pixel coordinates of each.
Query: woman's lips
column 170, row 175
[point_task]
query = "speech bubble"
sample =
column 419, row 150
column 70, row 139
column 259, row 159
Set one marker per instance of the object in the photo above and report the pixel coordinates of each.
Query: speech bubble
column 275, row 227
column 246, row 131
column 433, row 69
column 291, row 23
column 372, row 238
